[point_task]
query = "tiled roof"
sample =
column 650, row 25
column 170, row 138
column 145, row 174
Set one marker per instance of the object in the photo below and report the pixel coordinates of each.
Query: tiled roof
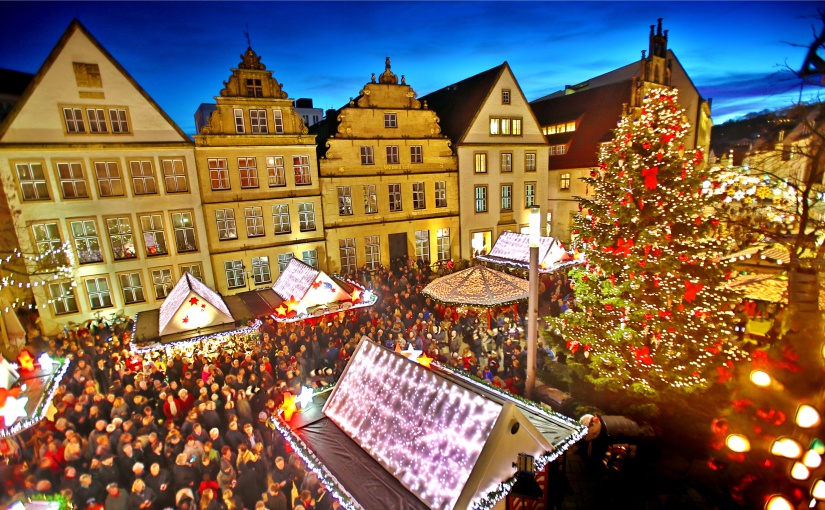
column 597, row 110
column 457, row 104
column 14, row 83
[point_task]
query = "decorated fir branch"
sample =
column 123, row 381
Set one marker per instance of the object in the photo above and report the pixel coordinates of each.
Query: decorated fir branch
column 652, row 313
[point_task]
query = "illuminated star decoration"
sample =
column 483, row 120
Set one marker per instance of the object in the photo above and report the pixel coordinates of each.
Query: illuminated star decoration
column 424, row 360
column 316, row 284
column 305, row 397
column 292, row 304
column 186, row 319
column 193, row 301
column 411, row 353
column 26, row 360
column 288, row 407
column 356, row 295
column 45, row 361
column 281, row 311
column 13, row 409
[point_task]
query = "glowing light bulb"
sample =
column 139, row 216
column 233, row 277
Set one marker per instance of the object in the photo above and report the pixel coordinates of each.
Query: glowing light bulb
column 778, row 503
column 761, row 378
column 800, row 472
column 812, row 459
column 738, row 443
column 807, row 416
column 786, row 447
column 818, row 490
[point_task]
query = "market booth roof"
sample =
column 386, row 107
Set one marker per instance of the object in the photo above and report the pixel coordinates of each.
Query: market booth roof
column 478, row 286
column 512, row 249
column 396, row 434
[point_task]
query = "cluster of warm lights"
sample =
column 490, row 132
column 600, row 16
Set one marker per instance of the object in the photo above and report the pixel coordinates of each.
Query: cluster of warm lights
column 743, row 191
column 207, row 343
column 56, row 366
column 652, row 312
column 63, row 269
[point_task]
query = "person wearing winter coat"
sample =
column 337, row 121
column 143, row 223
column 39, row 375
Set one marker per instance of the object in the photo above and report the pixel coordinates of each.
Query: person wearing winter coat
column 160, row 481
column 142, row 497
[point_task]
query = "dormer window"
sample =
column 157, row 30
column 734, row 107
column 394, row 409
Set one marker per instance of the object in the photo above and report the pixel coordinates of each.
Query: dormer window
column 505, row 96
column 563, row 127
column 254, row 87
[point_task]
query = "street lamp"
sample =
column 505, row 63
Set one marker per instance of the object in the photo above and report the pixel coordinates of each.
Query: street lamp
column 533, row 301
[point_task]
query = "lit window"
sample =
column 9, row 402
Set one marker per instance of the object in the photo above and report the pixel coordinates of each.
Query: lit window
column 260, row 270
column 257, row 122
column 120, row 235
column 248, row 172
column 506, row 162
column 441, row 193
column 235, row 277
column 395, row 197
column 306, row 216
column 370, row 199
column 143, row 178
column 239, row 124
column 481, row 199
column 346, row 249
column 283, row 260
column 481, row 163
column 442, row 240
column 32, row 181
column 196, row 270
column 109, row 182
column 218, row 173
column 98, row 291
column 154, row 236
column 390, row 120
column 558, row 150
column 419, row 197
column 184, row 227
column 47, row 238
column 366, row 155
column 280, row 218
column 530, row 162
column 529, row 194
column 392, row 155
column 174, row 174
column 72, row 181
column 505, row 96
column 97, row 120
column 63, row 298
column 422, row 245
column 86, row 241
column 564, row 181
column 505, row 126
column 120, row 124
column 300, row 165
column 506, row 197
column 416, row 154
column 74, row 120
column 310, row 258
column 372, row 249
column 162, row 281
column 254, row 221
column 227, row 228
column 275, row 171
column 278, row 121
column 132, row 288
column 344, row 201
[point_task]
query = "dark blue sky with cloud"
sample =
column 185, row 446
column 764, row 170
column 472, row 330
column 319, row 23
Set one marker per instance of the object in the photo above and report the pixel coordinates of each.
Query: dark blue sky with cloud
column 181, row 52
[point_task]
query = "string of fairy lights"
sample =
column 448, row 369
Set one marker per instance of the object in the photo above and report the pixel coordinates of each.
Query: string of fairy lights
column 60, row 265
column 652, row 312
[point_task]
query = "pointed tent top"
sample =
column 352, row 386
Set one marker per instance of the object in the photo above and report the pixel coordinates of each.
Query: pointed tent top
column 387, row 77
column 176, row 298
column 513, row 249
column 251, row 60
column 478, row 286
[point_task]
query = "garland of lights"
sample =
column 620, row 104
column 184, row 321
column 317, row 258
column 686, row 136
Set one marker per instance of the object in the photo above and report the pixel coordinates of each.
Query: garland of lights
column 41, row 409
column 252, row 328
column 60, row 271
column 63, row 502
column 653, row 314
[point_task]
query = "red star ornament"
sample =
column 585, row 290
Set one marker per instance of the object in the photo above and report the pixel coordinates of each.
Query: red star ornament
column 193, row 301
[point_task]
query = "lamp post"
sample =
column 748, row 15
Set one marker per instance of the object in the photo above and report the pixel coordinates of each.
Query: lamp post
column 533, row 301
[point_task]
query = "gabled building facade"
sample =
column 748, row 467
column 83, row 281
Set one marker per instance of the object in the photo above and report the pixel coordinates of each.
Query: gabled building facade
column 258, row 175
column 502, row 155
column 88, row 159
column 389, row 178
column 578, row 119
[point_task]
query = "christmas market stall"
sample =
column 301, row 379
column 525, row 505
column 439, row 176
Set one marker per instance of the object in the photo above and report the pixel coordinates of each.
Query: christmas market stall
column 307, row 293
column 403, row 432
column 513, row 250
column 194, row 317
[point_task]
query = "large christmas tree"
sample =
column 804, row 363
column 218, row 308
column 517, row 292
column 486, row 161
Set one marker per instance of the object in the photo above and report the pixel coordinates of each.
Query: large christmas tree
column 652, row 315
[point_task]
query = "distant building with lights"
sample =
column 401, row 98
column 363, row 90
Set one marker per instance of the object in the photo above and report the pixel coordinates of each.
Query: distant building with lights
column 580, row 118
column 90, row 160
column 502, row 155
column 259, row 182
column 389, row 178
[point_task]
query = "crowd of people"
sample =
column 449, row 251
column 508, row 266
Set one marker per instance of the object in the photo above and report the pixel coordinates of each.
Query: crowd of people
column 192, row 429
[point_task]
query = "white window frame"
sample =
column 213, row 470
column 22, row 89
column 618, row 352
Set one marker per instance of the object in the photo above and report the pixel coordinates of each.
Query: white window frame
column 99, row 292
column 257, row 122
column 97, row 120
column 261, row 273
column 234, row 271
column 442, row 241
column 218, row 173
column 344, row 201
column 419, row 191
column 183, row 227
column 196, row 270
column 86, row 241
column 370, row 199
column 416, row 154
column 254, row 216
column 119, row 121
column 33, row 184
column 372, row 250
column 153, row 230
column 278, row 121
column 529, row 195
column 63, row 298
column 530, row 162
column 120, row 233
column 394, row 194
column 507, row 197
column 506, row 161
column 248, row 172
column 306, row 216
column 174, row 176
column 346, row 250
column 131, row 285
column 227, row 227
column 162, row 282
column 109, row 180
column 240, row 126
column 393, row 157
column 143, row 178
column 480, row 199
column 275, row 171
column 564, row 181
column 422, row 245
column 283, row 260
column 310, row 257
column 441, row 193
column 390, row 120
column 280, row 219
column 300, row 167
column 72, row 179
column 480, row 159
column 367, row 155
column 73, row 118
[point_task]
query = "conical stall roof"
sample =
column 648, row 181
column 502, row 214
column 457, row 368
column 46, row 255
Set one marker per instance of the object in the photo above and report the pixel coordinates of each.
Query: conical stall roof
column 478, row 286
column 513, row 249
column 191, row 305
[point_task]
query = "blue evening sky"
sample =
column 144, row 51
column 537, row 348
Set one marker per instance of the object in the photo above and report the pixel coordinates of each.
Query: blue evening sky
column 181, row 52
